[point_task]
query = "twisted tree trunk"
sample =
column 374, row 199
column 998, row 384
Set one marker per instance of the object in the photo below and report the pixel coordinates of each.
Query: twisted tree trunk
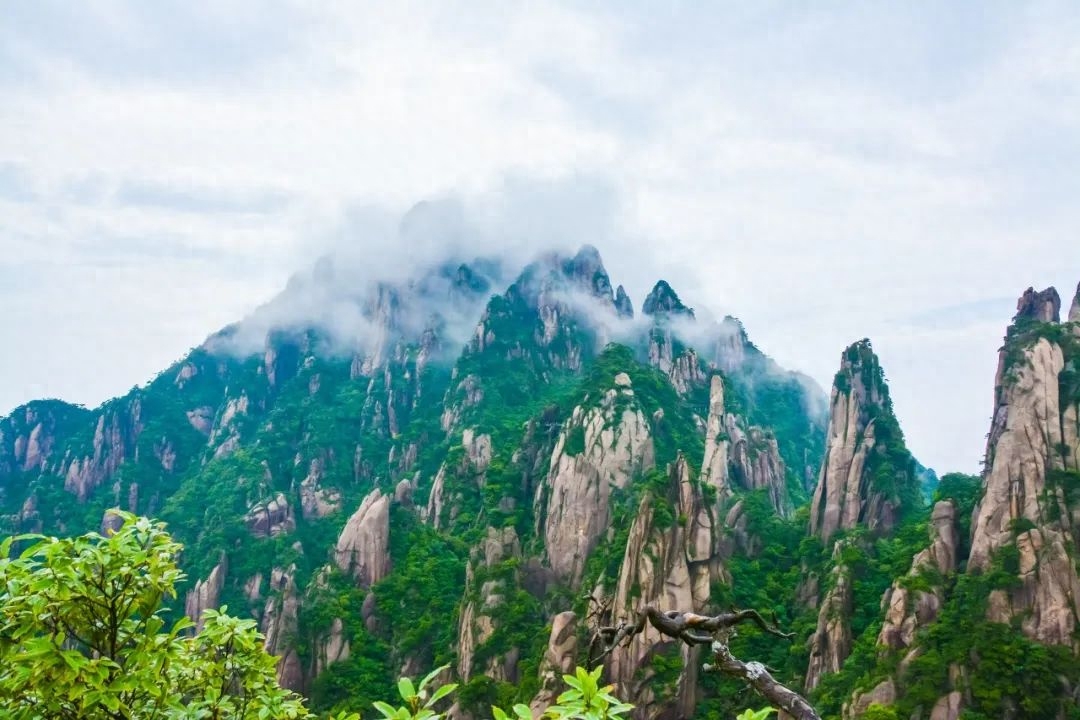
column 694, row 629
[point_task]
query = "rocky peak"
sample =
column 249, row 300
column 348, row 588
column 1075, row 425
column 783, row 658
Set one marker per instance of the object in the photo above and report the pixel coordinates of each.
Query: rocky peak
column 1033, row 454
column 663, row 300
column 1043, row 306
column 586, row 270
column 624, row 307
column 863, row 438
column 1074, row 310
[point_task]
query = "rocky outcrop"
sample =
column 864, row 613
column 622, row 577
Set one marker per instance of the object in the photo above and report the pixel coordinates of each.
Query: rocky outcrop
column 443, row 503
column 363, row 548
column 1042, row 306
column 1074, row 309
column 671, row 559
column 948, row 707
column 206, row 594
column 560, row 658
column 316, row 501
column 271, row 517
column 907, row 610
column 115, row 437
column 861, row 426
column 332, row 648
column 624, row 307
column 477, row 624
column 280, row 623
column 831, row 642
column 884, row 694
column 598, row 449
column 714, row 466
column 756, row 463
column 667, row 352
column 663, row 300
column 1033, row 441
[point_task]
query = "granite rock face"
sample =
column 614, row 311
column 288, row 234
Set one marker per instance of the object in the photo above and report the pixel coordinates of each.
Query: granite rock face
column 860, row 411
column 908, row 610
column 670, row 566
column 1033, row 444
column 598, row 449
column 363, row 548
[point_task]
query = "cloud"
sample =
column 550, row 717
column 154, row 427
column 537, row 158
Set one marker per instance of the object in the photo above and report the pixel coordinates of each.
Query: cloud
column 824, row 174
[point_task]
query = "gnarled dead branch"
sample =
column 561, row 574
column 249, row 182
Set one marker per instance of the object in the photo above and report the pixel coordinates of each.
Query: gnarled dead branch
column 694, row 629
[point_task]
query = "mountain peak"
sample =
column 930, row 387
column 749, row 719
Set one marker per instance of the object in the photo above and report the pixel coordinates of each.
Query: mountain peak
column 1074, row 311
column 1043, row 306
column 623, row 305
column 662, row 299
column 587, row 270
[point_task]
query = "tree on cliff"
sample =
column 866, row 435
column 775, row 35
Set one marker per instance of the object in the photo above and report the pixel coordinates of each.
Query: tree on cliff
column 714, row 631
column 83, row 635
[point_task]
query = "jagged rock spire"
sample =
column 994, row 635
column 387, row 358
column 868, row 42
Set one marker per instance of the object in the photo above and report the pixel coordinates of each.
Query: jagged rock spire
column 1074, row 311
column 1043, row 306
column 623, row 305
column 662, row 299
column 862, row 435
column 1033, row 444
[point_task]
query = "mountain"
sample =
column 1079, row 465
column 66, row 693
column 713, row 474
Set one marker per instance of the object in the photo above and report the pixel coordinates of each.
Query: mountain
column 474, row 465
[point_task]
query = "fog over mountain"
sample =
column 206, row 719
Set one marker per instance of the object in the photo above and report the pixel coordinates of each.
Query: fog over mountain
column 882, row 172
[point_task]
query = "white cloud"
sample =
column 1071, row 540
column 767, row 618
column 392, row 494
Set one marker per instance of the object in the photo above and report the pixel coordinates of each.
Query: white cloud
column 823, row 174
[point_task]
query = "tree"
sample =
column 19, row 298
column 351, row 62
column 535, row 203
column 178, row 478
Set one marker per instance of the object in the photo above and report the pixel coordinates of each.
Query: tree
column 83, row 635
column 694, row 629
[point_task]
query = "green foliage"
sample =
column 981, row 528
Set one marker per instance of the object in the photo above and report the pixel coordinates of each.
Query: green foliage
column 421, row 596
column 575, row 441
column 82, row 636
column 420, row 700
column 587, row 699
column 762, row 714
column 877, row 711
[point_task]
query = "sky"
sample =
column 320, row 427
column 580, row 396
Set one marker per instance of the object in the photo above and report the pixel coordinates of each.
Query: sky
column 825, row 172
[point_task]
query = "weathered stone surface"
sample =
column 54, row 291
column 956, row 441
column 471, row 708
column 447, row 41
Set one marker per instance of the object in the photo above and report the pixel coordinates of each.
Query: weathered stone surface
column 1043, row 306
column 905, row 610
column 477, row 624
column 206, row 594
column 1026, row 441
column 576, row 496
column 623, row 305
column 363, row 548
column 271, row 517
column 671, row 567
column 831, row 642
column 1074, row 309
column 115, row 437
column 560, row 658
column 280, row 621
column 884, row 693
column 755, row 463
column 948, row 707
column 316, row 501
column 714, row 466
column 330, row 649
column 842, row 498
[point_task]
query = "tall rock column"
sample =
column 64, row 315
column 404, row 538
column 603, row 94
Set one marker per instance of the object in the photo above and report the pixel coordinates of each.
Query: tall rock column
column 855, row 486
column 1031, row 461
column 671, row 559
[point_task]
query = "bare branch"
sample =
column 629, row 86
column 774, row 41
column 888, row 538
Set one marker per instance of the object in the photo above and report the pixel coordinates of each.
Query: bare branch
column 694, row 629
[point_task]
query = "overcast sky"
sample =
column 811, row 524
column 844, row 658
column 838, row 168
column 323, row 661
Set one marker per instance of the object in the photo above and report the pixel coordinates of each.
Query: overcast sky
column 900, row 171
